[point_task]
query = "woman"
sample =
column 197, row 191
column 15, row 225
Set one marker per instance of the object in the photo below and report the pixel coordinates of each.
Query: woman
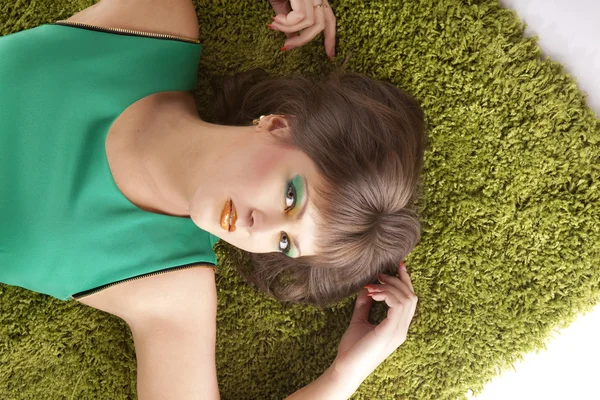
column 98, row 187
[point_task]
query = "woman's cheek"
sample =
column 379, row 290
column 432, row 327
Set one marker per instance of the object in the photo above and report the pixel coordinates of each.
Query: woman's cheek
column 262, row 180
column 265, row 165
column 252, row 244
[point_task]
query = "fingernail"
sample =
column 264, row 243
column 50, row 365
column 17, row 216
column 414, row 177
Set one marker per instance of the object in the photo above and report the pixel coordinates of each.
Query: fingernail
column 274, row 18
column 286, row 48
column 370, row 294
column 380, row 277
column 371, row 288
column 270, row 26
column 402, row 266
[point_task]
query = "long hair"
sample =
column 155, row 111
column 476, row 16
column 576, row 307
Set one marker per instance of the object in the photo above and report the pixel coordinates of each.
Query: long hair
column 367, row 139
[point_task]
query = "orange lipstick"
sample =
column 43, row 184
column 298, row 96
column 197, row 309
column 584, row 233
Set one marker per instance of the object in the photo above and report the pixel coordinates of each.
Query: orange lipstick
column 228, row 216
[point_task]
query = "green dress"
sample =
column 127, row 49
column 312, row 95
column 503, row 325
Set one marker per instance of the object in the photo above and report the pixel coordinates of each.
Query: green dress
column 65, row 228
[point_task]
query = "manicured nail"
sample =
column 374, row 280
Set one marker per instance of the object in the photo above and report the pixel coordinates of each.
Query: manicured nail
column 285, row 48
column 270, row 26
column 274, row 18
column 371, row 294
column 371, row 288
column 380, row 277
column 402, row 266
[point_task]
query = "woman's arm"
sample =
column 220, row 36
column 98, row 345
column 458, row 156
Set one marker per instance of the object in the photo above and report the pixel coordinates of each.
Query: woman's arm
column 176, row 359
column 328, row 386
column 173, row 320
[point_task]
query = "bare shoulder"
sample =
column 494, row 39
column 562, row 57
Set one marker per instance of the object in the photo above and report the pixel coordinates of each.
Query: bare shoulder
column 173, row 17
column 180, row 294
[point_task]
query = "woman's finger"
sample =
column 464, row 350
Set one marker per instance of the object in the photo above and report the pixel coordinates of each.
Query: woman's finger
column 291, row 28
column 392, row 297
column 398, row 283
column 405, row 278
column 408, row 301
column 282, row 7
column 361, row 307
column 397, row 311
column 329, row 31
column 400, row 294
column 403, row 274
column 308, row 34
column 291, row 25
column 294, row 13
column 309, row 10
column 293, row 17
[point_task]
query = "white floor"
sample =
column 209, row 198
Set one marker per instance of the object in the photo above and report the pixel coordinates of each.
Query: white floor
column 568, row 370
column 568, row 32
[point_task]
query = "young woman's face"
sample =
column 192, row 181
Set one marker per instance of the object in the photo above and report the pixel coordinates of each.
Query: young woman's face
column 270, row 188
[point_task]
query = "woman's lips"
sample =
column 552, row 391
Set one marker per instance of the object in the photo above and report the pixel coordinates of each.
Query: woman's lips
column 228, row 216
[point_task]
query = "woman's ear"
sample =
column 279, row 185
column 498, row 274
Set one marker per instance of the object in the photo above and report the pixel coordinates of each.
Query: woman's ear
column 278, row 122
column 276, row 125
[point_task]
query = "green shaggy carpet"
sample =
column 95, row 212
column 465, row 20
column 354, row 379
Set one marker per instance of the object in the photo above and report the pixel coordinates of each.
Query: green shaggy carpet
column 511, row 214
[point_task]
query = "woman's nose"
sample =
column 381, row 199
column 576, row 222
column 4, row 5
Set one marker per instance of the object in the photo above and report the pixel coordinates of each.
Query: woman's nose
column 265, row 222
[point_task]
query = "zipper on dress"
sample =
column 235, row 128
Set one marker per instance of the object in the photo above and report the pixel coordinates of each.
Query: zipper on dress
column 89, row 292
column 127, row 31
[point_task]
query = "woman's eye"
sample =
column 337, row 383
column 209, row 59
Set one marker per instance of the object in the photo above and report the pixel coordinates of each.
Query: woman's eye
column 290, row 197
column 284, row 242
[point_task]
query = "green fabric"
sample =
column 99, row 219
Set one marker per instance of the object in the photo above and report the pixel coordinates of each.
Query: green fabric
column 511, row 214
column 66, row 228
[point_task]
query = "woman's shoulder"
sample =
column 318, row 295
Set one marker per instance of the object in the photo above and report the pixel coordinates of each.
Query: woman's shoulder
column 173, row 17
column 171, row 295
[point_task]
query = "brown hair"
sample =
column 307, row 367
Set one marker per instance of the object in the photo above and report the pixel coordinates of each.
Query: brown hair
column 367, row 139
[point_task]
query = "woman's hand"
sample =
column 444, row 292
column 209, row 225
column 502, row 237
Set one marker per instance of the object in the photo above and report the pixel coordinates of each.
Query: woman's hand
column 364, row 346
column 304, row 15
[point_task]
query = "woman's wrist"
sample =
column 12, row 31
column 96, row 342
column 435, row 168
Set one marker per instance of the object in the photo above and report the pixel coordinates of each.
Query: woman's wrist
column 343, row 385
column 329, row 386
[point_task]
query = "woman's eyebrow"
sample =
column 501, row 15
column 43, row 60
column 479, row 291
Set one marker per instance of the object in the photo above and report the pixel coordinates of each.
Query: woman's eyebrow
column 305, row 198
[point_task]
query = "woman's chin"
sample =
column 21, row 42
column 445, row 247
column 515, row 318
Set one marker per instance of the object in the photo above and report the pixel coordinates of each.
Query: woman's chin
column 207, row 227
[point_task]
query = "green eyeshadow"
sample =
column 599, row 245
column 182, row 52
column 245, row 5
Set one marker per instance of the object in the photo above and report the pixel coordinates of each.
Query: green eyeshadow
column 298, row 183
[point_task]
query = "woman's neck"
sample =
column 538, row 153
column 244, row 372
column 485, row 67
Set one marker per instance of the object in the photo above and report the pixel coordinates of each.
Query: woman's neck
column 180, row 152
